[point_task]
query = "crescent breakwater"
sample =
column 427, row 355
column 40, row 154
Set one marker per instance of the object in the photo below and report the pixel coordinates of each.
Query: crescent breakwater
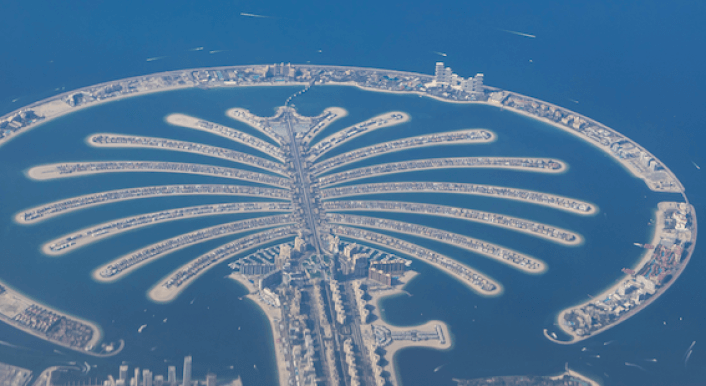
column 627, row 152
column 286, row 138
column 63, row 170
column 95, row 233
column 434, row 139
column 545, row 231
column 506, row 256
column 665, row 258
column 540, row 198
column 541, row 165
column 132, row 141
column 56, row 208
column 124, row 265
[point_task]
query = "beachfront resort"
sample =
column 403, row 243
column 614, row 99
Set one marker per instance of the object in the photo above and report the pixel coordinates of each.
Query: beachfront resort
column 318, row 253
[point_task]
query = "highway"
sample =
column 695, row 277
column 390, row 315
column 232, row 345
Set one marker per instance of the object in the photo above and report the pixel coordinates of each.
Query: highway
column 304, row 185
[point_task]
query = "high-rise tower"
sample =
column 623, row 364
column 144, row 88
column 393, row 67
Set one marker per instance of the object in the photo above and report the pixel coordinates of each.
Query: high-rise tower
column 211, row 379
column 171, row 375
column 137, row 377
column 146, row 377
column 123, row 373
column 187, row 371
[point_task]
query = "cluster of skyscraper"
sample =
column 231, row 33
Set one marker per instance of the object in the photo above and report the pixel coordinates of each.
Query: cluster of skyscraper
column 445, row 77
column 146, row 378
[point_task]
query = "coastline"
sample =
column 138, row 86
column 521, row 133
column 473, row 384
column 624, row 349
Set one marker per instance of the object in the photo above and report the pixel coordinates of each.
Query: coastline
column 232, row 113
column 542, row 265
column 20, row 216
column 342, row 179
column 477, row 289
column 578, row 238
column 493, row 138
column 647, row 256
column 96, row 272
column 245, row 139
column 159, row 294
column 52, row 171
column 63, row 109
column 273, row 316
column 201, row 153
column 81, row 237
column 311, row 134
column 591, row 211
column 55, row 106
column 12, row 298
column 625, row 163
column 395, row 347
column 348, row 133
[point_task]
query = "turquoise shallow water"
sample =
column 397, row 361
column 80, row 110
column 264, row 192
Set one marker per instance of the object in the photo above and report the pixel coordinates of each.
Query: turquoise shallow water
column 496, row 335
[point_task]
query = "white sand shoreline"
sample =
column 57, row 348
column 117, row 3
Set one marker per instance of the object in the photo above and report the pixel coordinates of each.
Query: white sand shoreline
column 160, row 294
column 86, row 239
column 477, row 289
column 97, row 272
column 11, row 293
column 20, row 216
column 90, row 142
column 542, row 265
column 576, row 242
column 349, row 160
column 589, row 212
column 273, row 315
column 646, row 257
column 395, row 347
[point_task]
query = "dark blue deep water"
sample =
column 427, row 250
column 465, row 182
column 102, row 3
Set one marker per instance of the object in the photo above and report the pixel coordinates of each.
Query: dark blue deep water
column 636, row 66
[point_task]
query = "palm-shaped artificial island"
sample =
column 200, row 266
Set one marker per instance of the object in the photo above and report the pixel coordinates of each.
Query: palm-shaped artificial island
column 316, row 226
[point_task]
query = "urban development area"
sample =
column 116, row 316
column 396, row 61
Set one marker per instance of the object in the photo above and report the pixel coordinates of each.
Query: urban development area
column 315, row 267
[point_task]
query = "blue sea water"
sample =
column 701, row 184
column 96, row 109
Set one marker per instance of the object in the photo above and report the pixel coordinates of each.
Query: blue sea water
column 636, row 66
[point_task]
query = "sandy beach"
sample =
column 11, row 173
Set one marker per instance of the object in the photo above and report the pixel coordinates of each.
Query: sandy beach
column 160, row 294
column 96, row 273
column 95, row 233
column 542, row 266
column 475, row 288
column 577, row 241
column 402, row 189
column 189, row 122
column 54, row 171
column 311, row 134
column 396, row 346
column 646, row 257
column 186, row 147
column 273, row 316
column 361, row 173
column 63, row 205
column 366, row 152
column 342, row 133
column 13, row 302
column 53, row 107
column 623, row 162
column 253, row 121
